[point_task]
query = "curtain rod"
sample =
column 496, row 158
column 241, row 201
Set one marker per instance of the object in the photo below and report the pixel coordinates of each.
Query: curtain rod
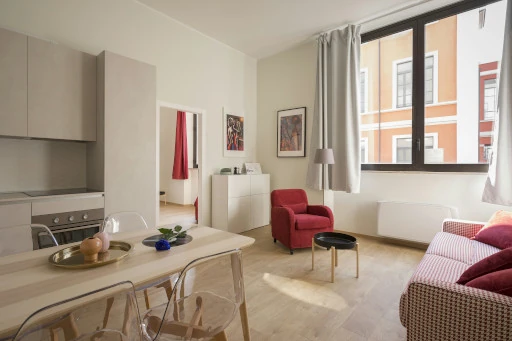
column 366, row 20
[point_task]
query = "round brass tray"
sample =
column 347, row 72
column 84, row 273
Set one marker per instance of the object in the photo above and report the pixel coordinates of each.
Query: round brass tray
column 72, row 258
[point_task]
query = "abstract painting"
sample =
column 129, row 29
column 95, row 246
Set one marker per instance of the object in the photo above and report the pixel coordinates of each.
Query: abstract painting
column 291, row 132
column 234, row 134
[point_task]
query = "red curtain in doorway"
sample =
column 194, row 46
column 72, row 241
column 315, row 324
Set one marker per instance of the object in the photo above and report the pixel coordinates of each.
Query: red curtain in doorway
column 180, row 168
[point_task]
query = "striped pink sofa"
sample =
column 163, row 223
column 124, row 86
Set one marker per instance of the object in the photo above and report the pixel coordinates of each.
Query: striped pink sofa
column 434, row 307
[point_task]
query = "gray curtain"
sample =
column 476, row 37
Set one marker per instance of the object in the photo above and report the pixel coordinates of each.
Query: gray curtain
column 498, row 187
column 337, row 106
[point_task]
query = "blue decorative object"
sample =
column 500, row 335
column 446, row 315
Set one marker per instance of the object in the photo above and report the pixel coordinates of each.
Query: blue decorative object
column 162, row 245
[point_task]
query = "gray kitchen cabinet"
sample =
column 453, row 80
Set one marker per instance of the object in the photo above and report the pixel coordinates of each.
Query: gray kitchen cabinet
column 13, row 83
column 61, row 92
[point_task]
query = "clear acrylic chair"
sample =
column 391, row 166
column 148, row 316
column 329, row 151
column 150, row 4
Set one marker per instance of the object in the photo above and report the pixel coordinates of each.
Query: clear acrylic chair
column 204, row 301
column 36, row 237
column 124, row 222
column 110, row 313
column 45, row 237
column 132, row 221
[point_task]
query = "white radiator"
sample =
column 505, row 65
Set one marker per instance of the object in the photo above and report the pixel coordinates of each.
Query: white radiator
column 412, row 221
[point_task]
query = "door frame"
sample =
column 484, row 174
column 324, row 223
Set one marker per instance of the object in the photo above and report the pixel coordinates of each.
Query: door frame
column 201, row 155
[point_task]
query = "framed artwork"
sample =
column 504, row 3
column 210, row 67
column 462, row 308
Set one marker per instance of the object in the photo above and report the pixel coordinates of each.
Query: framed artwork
column 291, row 132
column 234, row 134
column 252, row 168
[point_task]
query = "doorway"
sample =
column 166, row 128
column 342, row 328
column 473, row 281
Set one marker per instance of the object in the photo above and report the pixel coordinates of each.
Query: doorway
column 177, row 197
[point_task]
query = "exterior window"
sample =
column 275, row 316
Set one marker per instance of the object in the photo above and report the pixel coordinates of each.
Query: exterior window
column 487, row 152
column 404, row 84
column 429, row 80
column 364, row 150
column 404, row 148
column 364, row 91
column 490, row 99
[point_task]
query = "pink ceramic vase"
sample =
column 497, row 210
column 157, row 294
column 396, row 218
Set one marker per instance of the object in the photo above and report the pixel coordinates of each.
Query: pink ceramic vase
column 90, row 247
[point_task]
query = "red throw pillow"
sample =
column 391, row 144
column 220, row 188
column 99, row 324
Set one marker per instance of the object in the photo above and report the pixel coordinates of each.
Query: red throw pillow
column 498, row 231
column 499, row 282
column 501, row 260
column 298, row 208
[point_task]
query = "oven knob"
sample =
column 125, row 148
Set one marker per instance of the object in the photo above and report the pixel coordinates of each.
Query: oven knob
column 85, row 216
column 71, row 218
column 56, row 220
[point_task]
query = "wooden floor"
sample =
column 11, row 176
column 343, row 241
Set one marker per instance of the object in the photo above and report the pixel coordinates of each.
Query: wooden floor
column 287, row 301
column 174, row 213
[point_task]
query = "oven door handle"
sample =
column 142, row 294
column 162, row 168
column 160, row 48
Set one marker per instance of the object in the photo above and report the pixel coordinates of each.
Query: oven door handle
column 76, row 228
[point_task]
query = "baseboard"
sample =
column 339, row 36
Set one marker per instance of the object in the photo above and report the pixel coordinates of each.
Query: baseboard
column 401, row 242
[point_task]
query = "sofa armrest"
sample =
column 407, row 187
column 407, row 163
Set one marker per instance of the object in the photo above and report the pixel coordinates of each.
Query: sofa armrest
column 321, row 210
column 283, row 216
column 463, row 228
column 447, row 311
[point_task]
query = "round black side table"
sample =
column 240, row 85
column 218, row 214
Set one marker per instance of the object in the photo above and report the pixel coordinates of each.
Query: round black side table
column 335, row 241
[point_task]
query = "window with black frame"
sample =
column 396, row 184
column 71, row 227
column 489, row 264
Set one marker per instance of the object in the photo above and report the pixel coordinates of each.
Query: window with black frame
column 440, row 118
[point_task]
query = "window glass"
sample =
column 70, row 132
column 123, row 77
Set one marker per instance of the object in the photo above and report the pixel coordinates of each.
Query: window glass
column 388, row 64
column 466, row 50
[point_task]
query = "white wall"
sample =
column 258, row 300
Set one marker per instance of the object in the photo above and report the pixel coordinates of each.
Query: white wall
column 40, row 165
column 287, row 80
column 475, row 46
column 192, row 69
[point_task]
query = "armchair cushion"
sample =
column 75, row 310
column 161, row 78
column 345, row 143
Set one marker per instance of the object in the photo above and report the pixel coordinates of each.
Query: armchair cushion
column 499, row 282
column 310, row 222
column 501, row 260
column 498, row 231
column 298, row 208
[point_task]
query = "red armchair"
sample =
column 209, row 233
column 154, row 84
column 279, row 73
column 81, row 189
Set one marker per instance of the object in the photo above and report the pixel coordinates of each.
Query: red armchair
column 294, row 222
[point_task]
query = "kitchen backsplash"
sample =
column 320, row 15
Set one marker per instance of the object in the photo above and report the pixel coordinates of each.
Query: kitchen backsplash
column 41, row 165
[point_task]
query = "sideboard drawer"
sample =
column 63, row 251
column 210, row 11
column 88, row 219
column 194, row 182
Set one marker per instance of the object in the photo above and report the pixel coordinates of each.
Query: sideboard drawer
column 260, row 184
column 239, row 186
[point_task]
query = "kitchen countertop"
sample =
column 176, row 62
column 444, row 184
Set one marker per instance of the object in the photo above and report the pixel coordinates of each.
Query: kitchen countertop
column 20, row 197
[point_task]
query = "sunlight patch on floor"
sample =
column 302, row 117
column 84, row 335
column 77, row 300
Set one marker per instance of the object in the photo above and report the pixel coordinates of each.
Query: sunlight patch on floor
column 306, row 292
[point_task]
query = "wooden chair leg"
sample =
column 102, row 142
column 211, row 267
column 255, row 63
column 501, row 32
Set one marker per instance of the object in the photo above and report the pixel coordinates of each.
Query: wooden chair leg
column 336, row 258
column 333, row 261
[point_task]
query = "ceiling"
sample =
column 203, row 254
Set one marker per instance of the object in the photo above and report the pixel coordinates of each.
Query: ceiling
column 261, row 28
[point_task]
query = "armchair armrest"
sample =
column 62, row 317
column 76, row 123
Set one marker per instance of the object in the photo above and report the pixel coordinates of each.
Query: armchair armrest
column 283, row 216
column 463, row 228
column 448, row 311
column 321, row 211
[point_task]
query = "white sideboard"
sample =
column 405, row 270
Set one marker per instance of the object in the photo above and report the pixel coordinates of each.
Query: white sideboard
column 240, row 202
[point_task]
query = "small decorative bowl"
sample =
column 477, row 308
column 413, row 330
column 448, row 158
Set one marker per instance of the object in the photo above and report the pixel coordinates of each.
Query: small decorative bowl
column 162, row 245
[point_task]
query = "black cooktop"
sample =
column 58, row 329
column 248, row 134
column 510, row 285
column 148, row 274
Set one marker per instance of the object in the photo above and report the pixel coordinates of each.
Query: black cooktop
column 60, row 192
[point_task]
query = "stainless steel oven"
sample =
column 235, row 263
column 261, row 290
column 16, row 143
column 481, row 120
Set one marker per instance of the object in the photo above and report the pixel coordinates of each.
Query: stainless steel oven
column 67, row 227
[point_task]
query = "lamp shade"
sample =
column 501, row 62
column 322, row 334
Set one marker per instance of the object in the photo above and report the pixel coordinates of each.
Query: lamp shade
column 324, row 156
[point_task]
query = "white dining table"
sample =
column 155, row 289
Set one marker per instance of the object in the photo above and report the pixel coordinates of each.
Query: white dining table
column 29, row 282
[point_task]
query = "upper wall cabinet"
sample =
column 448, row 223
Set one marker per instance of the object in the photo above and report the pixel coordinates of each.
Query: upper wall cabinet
column 13, row 83
column 61, row 92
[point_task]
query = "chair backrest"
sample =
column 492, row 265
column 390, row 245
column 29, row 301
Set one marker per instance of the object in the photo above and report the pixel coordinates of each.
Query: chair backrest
column 281, row 197
column 124, row 222
column 22, row 239
column 110, row 313
column 203, row 283
column 44, row 236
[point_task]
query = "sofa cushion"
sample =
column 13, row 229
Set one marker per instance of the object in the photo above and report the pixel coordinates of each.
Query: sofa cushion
column 310, row 222
column 498, row 231
column 452, row 246
column 499, row 282
column 298, row 208
column 501, row 260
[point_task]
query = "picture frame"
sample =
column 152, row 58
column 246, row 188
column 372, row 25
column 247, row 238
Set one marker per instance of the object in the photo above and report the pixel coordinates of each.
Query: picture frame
column 252, row 168
column 291, row 132
column 233, row 133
